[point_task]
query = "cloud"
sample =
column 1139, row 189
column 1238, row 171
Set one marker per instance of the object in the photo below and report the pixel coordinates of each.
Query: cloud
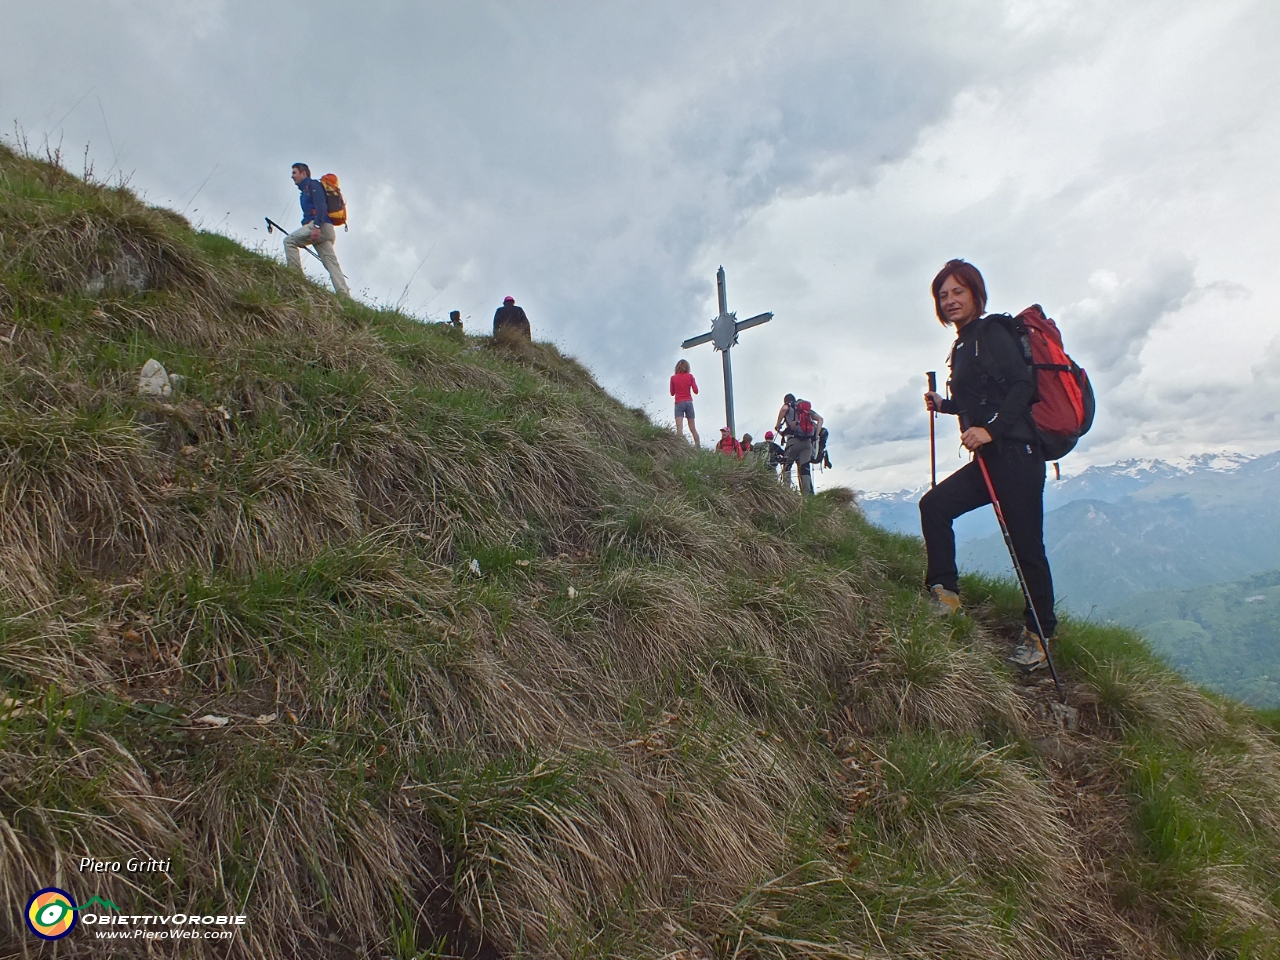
column 899, row 416
column 1111, row 326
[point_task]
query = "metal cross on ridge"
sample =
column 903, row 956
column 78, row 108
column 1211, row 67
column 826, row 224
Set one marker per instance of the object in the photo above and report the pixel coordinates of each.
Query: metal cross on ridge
column 724, row 334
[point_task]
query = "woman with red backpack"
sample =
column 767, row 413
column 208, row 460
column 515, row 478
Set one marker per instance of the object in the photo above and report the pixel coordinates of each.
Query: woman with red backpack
column 992, row 389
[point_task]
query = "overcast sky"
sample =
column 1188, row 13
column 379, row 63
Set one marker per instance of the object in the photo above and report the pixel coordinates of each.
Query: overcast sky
column 1116, row 162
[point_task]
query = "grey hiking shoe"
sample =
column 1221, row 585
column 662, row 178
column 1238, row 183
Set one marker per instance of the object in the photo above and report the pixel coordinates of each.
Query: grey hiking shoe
column 943, row 602
column 1028, row 655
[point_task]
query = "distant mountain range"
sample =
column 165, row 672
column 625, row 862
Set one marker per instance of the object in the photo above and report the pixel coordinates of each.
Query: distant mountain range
column 1140, row 526
column 1117, row 530
column 1134, row 540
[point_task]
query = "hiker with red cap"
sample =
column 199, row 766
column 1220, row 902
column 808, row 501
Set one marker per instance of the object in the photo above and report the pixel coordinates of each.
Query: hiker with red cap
column 317, row 228
column 509, row 322
column 773, row 453
column 728, row 444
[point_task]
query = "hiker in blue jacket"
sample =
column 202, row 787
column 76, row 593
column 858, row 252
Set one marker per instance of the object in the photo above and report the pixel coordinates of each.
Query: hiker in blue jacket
column 316, row 230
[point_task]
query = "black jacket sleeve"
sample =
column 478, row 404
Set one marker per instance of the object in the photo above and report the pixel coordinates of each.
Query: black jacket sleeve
column 1005, row 356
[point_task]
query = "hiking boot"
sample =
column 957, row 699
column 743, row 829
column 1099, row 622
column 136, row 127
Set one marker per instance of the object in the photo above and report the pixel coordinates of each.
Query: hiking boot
column 943, row 602
column 1029, row 655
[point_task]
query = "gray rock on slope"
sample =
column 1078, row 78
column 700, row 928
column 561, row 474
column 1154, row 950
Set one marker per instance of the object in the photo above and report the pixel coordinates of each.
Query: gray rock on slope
column 155, row 381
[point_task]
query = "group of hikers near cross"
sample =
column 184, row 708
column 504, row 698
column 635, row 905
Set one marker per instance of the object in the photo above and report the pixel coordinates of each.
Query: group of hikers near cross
column 1020, row 401
column 324, row 210
column 797, row 422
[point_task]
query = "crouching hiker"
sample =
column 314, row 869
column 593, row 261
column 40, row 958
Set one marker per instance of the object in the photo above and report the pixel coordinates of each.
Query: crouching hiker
column 801, row 424
column 510, row 322
column 992, row 390
column 317, row 229
column 771, row 451
column 728, row 445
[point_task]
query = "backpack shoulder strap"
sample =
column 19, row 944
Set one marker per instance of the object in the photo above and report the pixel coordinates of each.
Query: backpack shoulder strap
column 1017, row 333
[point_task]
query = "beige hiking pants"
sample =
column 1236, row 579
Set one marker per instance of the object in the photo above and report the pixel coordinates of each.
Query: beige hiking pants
column 324, row 246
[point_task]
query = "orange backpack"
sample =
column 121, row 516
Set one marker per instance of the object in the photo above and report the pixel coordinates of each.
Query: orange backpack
column 333, row 195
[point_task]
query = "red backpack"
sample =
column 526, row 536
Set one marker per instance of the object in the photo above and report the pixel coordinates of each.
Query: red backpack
column 800, row 420
column 1063, row 404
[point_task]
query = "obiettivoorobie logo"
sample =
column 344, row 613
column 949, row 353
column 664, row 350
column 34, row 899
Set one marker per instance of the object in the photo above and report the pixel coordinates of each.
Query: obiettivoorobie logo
column 52, row 913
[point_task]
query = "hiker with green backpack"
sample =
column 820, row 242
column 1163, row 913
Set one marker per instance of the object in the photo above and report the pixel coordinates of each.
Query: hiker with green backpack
column 322, row 208
column 997, row 378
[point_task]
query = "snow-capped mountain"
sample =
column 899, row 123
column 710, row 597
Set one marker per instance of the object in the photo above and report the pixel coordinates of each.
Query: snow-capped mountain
column 1131, row 527
column 1162, row 545
column 1107, row 484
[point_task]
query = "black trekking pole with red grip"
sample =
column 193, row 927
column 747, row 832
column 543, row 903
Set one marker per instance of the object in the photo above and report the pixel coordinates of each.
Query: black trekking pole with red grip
column 933, row 418
column 1022, row 580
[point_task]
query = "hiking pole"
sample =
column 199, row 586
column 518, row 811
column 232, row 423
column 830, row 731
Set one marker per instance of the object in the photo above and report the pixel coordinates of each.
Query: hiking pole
column 1022, row 580
column 271, row 223
column 933, row 446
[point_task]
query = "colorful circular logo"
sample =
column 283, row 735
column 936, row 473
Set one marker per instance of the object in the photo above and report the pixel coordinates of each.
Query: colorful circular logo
column 51, row 913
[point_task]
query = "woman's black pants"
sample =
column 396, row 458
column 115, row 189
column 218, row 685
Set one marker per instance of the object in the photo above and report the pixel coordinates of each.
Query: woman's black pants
column 1017, row 473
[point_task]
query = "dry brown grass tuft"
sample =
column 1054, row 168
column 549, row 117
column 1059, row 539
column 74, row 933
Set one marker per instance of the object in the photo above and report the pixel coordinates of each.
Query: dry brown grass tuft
column 104, row 251
column 74, row 489
column 1148, row 696
column 972, row 807
column 918, row 679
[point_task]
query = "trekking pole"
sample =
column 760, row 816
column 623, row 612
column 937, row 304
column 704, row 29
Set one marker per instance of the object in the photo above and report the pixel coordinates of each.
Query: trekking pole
column 1022, row 580
column 933, row 446
column 271, row 223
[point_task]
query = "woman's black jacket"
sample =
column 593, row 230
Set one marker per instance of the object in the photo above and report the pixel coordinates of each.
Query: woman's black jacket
column 991, row 384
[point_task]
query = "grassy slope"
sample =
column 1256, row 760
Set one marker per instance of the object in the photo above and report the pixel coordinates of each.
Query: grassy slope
column 677, row 714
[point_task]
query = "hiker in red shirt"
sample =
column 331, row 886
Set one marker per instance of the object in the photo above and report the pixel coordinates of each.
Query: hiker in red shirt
column 728, row 445
column 683, row 387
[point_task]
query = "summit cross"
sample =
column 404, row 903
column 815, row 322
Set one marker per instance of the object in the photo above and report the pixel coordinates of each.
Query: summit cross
column 724, row 334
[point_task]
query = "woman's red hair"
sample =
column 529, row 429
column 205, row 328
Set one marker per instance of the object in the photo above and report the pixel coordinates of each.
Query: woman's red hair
column 971, row 279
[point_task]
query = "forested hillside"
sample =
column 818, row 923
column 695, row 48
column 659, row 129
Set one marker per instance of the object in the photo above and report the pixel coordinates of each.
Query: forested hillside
column 1225, row 635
